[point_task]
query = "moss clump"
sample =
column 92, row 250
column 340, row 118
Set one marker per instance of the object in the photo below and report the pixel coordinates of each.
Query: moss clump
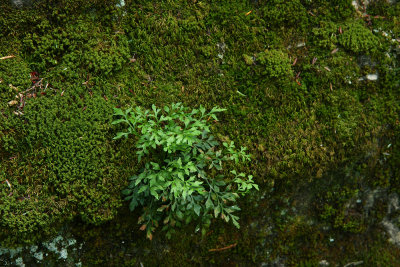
column 67, row 168
column 281, row 13
column 275, row 64
column 325, row 35
column 359, row 39
column 25, row 216
column 353, row 36
column 79, row 45
column 76, row 153
column 335, row 10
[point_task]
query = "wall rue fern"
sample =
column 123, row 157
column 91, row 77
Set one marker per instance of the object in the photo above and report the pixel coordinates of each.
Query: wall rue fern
column 182, row 176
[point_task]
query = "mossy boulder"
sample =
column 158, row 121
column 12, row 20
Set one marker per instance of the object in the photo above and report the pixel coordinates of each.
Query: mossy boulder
column 303, row 112
column 67, row 169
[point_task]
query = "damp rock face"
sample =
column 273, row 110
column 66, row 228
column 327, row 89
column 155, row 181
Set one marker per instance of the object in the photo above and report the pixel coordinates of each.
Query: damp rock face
column 62, row 250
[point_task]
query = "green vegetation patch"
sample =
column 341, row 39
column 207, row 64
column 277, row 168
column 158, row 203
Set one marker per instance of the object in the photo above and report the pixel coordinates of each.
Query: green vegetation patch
column 311, row 88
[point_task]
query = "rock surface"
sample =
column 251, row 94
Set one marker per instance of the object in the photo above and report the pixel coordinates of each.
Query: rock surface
column 21, row 3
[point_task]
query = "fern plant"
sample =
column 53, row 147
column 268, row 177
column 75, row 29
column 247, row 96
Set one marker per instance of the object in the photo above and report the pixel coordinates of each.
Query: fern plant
column 181, row 179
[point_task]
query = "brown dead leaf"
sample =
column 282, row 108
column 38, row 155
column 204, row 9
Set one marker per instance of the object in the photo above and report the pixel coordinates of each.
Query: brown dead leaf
column 334, row 50
column 313, row 61
column 12, row 103
column 13, row 87
column 150, row 236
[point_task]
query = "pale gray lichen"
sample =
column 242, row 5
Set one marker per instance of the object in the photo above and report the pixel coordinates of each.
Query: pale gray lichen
column 34, row 248
column 20, row 262
column 38, row 255
column 63, row 254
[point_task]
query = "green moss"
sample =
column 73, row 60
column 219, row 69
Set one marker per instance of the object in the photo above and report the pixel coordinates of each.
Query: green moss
column 15, row 78
column 77, row 46
column 353, row 36
column 359, row 39
column 335, row 10
column 337, row 210
column 67, row 168
column 276, row 64
column 77, row 153
column 325, row 35
column 279, row 13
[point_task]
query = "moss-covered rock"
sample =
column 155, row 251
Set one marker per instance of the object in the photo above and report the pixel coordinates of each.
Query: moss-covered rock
column 288, row 73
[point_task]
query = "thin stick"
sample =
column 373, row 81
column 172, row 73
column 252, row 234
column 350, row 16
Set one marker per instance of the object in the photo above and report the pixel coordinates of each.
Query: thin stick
column 224, row 248
column 37, row 84
column 353, row 263
column 7, row 57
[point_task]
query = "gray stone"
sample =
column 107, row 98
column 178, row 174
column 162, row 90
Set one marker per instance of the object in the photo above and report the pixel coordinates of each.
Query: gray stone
column 21, row 3
column 393, row 231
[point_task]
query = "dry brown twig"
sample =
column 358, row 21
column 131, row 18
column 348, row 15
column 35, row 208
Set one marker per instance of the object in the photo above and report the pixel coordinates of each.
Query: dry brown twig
column 37, row 84
column 224, row 248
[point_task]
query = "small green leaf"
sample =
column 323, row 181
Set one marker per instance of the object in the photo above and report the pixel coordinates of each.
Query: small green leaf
column 217, row 210
column 226, row 218
column 203, row 231
column 166, row 220
column 156, row 166
column 171, row 139
column 119, row 135
column 168, row 235
column 216, row 109
column 197, row 209
column 142, row 189
column 128, row 110
column 184, row 194
column 202, row 110
column 118, row 121
column 179, row 214
column 132, row 205
column 154, row 193
column 209, row 203
column 235, row 222
column 118, row 111
column 126, row 191
column 162, row 208
column 188, row 219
